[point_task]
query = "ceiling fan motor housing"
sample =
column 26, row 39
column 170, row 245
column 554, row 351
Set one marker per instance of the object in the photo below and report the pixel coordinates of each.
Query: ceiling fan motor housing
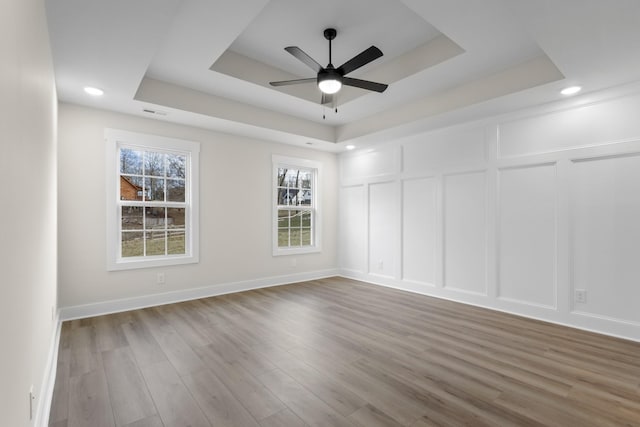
column 329, row 74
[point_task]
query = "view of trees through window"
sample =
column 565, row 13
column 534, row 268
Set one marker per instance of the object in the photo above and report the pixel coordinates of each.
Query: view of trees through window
column 295, row 207
column 153, row 204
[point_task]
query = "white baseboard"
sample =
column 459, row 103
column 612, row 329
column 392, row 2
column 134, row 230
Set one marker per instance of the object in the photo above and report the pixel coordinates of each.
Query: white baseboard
column 134, row 303
column 43, row 406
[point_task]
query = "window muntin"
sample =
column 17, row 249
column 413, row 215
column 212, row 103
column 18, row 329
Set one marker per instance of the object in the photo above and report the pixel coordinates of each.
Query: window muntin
column 295, row 206
column 155, row 220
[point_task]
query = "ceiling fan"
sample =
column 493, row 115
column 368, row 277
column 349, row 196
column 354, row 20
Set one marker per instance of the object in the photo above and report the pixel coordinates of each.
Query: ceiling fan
column 330, row 79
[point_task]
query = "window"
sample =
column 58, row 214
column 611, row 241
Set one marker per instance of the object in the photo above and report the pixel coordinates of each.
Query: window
column 152, row 217
column 295, row 206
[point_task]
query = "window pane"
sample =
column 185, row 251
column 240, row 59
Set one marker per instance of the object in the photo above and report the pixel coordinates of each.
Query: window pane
column 155, row 242
column 306, row 236
column 306, row 219
column 132, row 218
column 154, row 164
column 130, row 188
column 292, row 178
column 132, row 244
column 291, row 196
column 176, row 165
column 283, row 238
column 283, row 197
column 175, row 190
column 305, row 197
column 176, row 242
column 283, row 218
column 296, row 219
column 305, row 179
column 130, row 161
column 154, row 189
column 175, row 218
column 281, row 174
column 295, row 237
column 155, row 218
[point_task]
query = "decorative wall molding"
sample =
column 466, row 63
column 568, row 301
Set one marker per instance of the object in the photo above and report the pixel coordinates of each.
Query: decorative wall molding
column 561, row 196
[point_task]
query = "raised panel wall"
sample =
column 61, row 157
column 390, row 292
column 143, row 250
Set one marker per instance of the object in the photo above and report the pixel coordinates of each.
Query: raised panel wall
column 375, row 163
column 588, row 125
column 352, row 228
column 527, row 235
column 512, row 213
column 419, row 230
column 465, row 232
column 605, row 210
column 444, row 149
column 382, row 228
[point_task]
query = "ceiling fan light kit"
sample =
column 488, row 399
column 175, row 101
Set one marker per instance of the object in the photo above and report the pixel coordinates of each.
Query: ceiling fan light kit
column 330, row 79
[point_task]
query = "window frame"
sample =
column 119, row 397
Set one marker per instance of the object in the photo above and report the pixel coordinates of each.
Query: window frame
column 279, row 161
column 116, row 139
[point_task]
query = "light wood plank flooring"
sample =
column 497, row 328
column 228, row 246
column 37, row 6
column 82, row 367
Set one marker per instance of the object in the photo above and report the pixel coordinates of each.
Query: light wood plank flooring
column 337, row 352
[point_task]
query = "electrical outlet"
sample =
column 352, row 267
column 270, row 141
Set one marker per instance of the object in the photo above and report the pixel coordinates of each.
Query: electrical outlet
column 380, row 265
column 160, row 279
column 294, row 262
column 581, row 296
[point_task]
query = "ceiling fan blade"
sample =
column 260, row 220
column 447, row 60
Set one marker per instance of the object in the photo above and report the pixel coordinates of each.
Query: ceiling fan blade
column 363, row 58
column 303, row 57
column 327, row 99
column 364, row 84
column 293, row 82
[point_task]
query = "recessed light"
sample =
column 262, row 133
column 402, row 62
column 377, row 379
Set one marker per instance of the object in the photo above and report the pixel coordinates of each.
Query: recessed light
column 571, row 90
column 93, row 91
column 350, row 147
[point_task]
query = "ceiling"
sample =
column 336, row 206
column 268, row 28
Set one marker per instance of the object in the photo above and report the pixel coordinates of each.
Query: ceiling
column 207, row 63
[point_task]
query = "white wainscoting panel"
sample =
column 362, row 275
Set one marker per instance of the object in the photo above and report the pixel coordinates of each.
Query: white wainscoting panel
column 382, row 228
column 589, row 125
column 513, row 212
column 465, row 232
column 419, row 230
column 527, row 235
column 373, row 163
column 444, row 149
column 605, row 195
column 352, row 229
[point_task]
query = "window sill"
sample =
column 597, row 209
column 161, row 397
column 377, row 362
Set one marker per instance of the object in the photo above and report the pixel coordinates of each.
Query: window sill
column 297, row 251
column 132, row 264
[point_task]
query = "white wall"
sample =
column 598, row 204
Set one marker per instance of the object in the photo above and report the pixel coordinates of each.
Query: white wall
column 235, row 217
column 513, row 213
column 27, row 209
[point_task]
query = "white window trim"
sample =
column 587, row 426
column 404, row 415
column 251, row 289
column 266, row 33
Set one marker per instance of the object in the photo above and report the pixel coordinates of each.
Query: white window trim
column 113, row 140
column 316, row 226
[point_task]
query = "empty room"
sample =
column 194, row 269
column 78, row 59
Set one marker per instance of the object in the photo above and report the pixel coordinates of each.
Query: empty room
column 268, row 213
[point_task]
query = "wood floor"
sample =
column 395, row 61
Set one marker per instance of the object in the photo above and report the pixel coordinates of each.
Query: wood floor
column 337, row 352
